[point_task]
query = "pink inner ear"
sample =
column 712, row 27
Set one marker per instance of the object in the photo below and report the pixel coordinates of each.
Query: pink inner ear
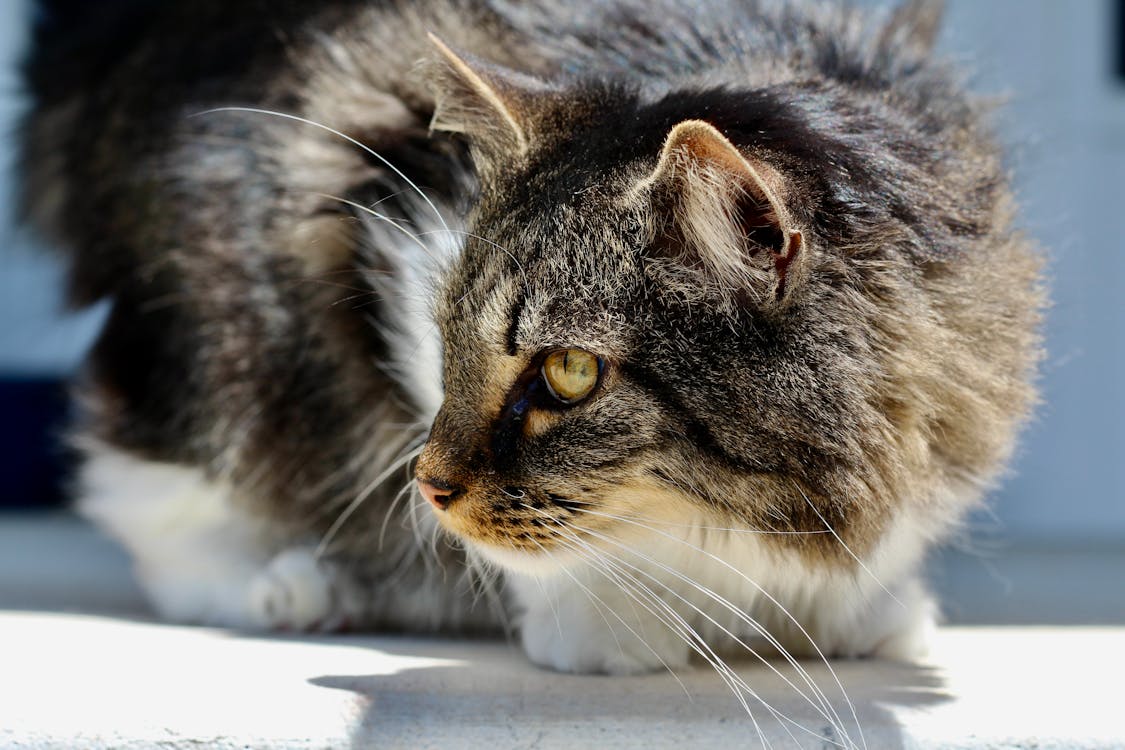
column 757, row 211
column 759, row 224
column 784, row 259
column 729, row 219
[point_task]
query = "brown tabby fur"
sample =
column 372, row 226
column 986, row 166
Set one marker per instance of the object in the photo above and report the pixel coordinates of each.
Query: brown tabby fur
column 786, row 231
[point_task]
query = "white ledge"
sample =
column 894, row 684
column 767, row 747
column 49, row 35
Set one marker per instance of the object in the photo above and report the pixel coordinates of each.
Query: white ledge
column 74, row 680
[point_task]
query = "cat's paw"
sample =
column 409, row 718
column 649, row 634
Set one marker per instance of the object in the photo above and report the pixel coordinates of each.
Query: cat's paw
column 577, row 638
column 294, row 592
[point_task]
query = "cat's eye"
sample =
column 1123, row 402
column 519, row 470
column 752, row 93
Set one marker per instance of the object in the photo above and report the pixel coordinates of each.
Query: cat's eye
column 570, row 374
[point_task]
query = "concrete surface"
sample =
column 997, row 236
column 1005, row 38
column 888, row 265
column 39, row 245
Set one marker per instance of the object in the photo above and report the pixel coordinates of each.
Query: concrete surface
column 116, row 679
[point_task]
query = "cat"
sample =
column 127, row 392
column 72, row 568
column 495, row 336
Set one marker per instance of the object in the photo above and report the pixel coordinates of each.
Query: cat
column 651, row 329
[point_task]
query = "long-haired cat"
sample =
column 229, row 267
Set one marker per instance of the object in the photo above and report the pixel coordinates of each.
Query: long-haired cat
column 657, row 327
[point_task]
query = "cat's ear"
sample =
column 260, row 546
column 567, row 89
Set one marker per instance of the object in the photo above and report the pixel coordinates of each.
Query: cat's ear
column 723, row 214
column 489, row 104
column 914, row 27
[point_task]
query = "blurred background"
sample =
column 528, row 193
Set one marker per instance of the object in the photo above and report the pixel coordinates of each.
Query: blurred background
column 1051, row 546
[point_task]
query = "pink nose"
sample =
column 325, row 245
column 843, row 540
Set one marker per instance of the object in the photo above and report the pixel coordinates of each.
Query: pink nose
column 439, row 494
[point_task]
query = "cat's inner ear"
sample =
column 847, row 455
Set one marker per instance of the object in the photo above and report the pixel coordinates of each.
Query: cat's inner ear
column 489, row 104
column 723, row 213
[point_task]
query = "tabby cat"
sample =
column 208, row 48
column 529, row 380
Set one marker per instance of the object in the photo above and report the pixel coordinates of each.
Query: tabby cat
column 650, row 328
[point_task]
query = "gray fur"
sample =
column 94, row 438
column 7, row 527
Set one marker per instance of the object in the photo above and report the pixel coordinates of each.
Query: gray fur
column 256, row 333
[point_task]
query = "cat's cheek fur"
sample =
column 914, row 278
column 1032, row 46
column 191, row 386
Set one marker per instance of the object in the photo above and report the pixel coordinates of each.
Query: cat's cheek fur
column 199, row 558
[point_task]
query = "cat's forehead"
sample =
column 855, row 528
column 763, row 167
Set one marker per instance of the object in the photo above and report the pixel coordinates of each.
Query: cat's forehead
column 534, row 278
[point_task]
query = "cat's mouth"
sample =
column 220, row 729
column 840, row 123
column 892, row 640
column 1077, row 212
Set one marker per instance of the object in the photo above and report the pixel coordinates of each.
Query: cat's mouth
column 510, row 519
column 525, row 542
column 518, row 529
column 546, row 528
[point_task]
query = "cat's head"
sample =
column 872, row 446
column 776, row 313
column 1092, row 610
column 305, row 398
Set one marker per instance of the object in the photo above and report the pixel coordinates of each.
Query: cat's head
column 650, row 324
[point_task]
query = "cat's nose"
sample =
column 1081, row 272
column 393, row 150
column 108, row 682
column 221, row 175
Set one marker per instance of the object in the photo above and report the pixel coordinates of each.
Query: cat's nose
column 439, row 494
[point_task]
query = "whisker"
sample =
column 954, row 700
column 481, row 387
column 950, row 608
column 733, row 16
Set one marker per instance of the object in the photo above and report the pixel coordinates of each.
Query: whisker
column 833, row 719
column 333, row 131
column 388, row 197
column 747, row 647
column 846, row 547
column 485, row 240
column 401, row 495
column 368, row 297
column 665, row 614
column 769, row 597
column 485, row 581
column 428, row 560
column 333, row 284
column 693, row 526
column 594, row 599
column 597, row 599
column 363, row 495
column 435, row 534
column 382, row 217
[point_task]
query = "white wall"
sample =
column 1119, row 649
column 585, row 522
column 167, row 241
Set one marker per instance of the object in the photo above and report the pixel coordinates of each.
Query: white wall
column 1066, row 123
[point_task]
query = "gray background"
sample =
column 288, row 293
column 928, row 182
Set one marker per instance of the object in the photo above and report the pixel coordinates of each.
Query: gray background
column 1051, row 548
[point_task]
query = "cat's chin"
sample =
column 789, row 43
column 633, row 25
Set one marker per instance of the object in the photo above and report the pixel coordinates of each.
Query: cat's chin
column 536, row 564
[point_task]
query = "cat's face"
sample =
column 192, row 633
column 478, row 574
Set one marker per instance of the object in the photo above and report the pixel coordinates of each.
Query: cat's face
column 603, row 375
column 544, row 421
column 644, row 329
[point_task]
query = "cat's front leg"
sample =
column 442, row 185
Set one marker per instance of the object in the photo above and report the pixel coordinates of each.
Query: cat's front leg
column 200, row 558
column 579, row 621
column 296, row 591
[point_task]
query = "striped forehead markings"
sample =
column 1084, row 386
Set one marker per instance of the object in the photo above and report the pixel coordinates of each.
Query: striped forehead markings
column 514, row 323
column 494, row 313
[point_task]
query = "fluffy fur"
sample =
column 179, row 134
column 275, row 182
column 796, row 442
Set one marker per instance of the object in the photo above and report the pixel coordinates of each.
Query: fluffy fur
column 783, row 228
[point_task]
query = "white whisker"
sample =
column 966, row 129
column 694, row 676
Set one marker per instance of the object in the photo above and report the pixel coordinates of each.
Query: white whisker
column 597, row 599
column 401, row 495
column 594, row 599
column 333, row 131
column 773, row 600
column 634, row 589
column 428, row 560
column 363, row 495
column 382, row 217
column 846, row 547
column 484, row 580
column 833, row 719
column 435, row 534
column 700, row 527
column 485, row 240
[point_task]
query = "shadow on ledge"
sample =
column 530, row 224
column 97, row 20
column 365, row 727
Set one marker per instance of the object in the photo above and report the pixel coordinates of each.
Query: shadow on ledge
column 493, row 698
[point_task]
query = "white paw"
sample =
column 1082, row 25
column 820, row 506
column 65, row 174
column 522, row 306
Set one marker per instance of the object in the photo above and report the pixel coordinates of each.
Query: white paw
column 292, row 593
column 573, row 636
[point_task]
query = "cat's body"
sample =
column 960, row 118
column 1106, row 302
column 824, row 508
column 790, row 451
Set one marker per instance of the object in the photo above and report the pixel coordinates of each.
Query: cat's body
column 783, row 234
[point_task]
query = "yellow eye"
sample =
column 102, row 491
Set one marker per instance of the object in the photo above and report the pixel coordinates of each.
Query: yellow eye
column 570, row 374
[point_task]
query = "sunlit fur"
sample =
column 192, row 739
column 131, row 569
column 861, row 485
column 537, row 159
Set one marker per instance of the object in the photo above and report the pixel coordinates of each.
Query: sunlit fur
column 884, row 393
column 784, row 229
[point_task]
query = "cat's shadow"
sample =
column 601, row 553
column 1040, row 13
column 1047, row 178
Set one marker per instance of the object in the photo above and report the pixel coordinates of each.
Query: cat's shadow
column 486, row 694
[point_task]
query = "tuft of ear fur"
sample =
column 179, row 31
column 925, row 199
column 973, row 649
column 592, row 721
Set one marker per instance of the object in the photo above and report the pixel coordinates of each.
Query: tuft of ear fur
column 914, row 26
column 489, row 104
column 724, row 214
